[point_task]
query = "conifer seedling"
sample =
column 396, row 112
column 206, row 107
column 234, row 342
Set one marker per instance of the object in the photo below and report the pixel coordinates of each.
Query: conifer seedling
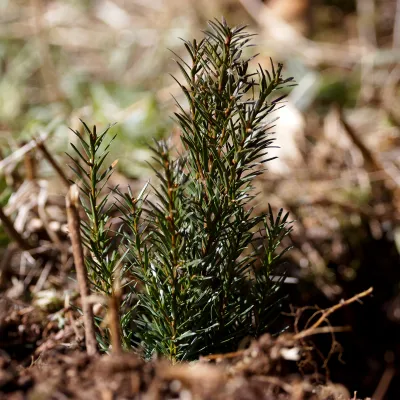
column 193, row 279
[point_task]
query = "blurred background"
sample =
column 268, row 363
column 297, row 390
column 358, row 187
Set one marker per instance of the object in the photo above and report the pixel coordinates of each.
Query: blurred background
column 338, row 171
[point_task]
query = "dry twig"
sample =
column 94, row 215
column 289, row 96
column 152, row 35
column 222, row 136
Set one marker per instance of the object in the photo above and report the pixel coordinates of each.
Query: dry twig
column 326, row 313
column 74, row 229
column 384, row 383
column 114, row 302
column 114, row 323
column 371, row 161
column 12, row 232
column 41, row 146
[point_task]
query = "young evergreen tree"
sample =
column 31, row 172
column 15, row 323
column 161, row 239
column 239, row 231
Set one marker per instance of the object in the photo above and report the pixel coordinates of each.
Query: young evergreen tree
column 190, row 252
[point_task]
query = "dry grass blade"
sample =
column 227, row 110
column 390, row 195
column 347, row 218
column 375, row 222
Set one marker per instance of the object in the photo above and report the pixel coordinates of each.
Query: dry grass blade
column 18, row 154
column 30, row 165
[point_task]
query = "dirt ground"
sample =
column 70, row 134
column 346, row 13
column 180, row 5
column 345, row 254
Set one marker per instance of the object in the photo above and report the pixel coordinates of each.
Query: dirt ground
column 45, row 362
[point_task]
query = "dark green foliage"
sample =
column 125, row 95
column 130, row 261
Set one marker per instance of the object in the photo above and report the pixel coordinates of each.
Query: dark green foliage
column 103, row 260
column 190, row 251
column 263, row 286
column 93, row 176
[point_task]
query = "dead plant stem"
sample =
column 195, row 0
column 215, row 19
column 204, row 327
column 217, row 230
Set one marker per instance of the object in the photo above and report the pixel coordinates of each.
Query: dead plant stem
column 12, row 232
column 329, row 311
column 83, row 282
column 41, row 146
column 114, row 323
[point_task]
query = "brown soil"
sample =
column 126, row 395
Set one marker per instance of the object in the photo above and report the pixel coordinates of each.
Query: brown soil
column 40, row 361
